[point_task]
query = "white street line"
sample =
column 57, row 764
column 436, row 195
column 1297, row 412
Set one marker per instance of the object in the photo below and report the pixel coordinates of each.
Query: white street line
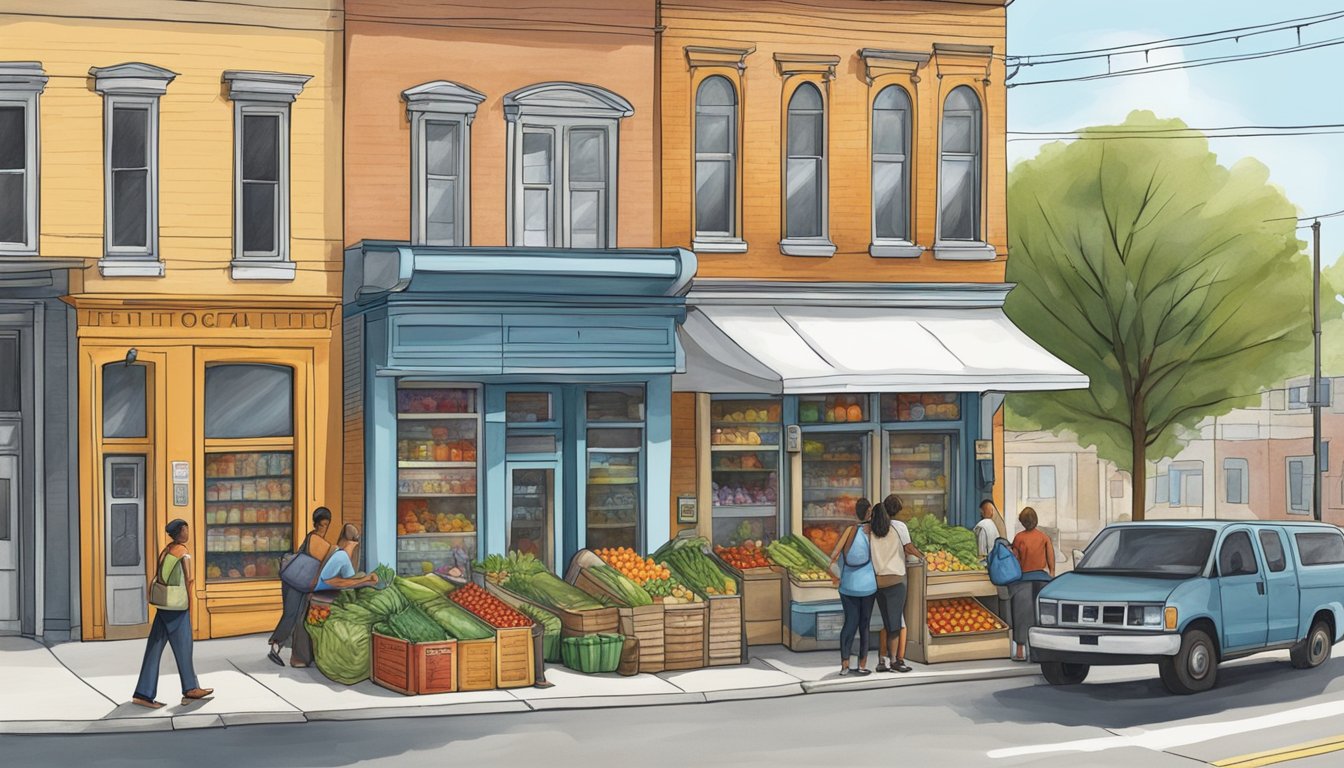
column 1177, row 736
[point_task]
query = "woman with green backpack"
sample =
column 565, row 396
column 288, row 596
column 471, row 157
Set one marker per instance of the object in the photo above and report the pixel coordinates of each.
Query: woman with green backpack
column 169, row 593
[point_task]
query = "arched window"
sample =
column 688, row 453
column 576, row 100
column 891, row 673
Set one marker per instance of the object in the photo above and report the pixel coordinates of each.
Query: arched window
column 959, row 174
column 805, row 170
column 891, row 165
column 716, row 158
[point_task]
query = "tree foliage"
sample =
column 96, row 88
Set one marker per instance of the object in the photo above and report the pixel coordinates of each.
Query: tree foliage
column 1162, row 275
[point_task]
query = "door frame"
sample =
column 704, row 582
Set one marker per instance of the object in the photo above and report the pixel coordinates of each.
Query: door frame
column 556, row 529
column 128, row 631
column 24, row 317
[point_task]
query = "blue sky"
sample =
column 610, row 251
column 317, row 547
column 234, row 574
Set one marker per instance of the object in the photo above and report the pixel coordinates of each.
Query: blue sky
column 1292, row 89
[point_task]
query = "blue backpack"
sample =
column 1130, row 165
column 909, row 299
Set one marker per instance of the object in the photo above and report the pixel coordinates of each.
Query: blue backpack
column 1002, row 564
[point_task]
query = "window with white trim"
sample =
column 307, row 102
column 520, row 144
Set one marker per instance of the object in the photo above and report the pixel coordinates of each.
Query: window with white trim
column 440, row 115
column 261, row 200
column 562, row 165
column 716, row 145
column 131, row 94
column 1237, row 480
column 1041, row 482
column 805, row 166
column 891, row 166
column 20, row 84
column 959, row 203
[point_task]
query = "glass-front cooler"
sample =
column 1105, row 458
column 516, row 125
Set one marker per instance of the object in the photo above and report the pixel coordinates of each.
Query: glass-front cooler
column 438, row 430
column 615, row 467
column 744, row 465
column 834, row 478
column 249, row 514
column 532, row 512
column 921, row 465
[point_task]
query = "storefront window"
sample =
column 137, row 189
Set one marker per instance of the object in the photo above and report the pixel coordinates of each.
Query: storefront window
column 832, row 409
column 249, row 514
column 124, row 404
column 917, row 406
column 921, row 472
column 10, row 396
column 249, row 401
column 615, row 457
column 527, row 407
column 744, row 462
column 438, row 432
column 834, row 478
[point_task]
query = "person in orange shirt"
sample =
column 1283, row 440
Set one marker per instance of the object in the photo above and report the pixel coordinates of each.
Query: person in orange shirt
column 1036, row 554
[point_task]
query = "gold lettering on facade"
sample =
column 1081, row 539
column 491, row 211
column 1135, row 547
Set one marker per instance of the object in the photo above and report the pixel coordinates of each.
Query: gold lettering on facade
column 213, row 320
column 188, row 319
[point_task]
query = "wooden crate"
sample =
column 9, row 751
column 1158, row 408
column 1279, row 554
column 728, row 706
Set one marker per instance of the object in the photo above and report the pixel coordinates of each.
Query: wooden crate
column 923, row 646
column 725, row 633
column 684, row 636
column 476, row 664
column 573, row 623
column 514, row 657
column 812, row 591
column 644, row 623
column 414, row 668
column 763, row 598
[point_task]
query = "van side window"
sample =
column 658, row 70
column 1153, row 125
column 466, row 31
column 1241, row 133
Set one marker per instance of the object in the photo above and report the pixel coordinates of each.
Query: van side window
column 1237, row 557
column 1325, row 548
column 1272, row 546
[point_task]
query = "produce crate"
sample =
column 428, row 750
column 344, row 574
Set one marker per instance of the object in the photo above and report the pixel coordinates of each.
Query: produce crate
column 575, row 623
column 816, row 627
column 725, row 635
column 926, row 648
column 593, row 657
column 812, row 591
column 684, row 636
column 476, row 664
column 514, row 657
column 413, row 668
column 645, row 623
column 763, row 598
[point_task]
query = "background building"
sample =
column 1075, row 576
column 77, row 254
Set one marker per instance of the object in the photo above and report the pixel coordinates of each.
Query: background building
column 186, row 165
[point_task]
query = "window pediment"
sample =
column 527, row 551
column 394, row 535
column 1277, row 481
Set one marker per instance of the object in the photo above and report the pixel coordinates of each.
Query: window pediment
column 565, row 100
column 444, row 97
column 264, row 86
column 133, row 78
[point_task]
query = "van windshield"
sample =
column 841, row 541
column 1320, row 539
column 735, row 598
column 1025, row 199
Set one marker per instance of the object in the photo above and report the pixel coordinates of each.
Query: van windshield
column 1162, row 552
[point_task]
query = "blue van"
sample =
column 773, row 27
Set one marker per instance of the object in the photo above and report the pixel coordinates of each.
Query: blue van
column 1189, row 594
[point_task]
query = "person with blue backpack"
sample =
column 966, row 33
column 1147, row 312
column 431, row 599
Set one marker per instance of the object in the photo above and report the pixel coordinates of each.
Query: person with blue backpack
column 1035, row 555
column 858, row 587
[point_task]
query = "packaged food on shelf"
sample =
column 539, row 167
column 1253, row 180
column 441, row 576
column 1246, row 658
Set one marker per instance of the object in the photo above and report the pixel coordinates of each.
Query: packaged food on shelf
column 916, row 406
column 832, row 409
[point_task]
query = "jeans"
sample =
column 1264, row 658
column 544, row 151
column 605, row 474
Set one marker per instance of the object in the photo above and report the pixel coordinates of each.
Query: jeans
column 1024, row 608
column 169, row 628
column 858, row 615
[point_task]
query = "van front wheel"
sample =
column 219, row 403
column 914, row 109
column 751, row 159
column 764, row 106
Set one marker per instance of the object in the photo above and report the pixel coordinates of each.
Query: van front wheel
column 1313, row 651
column 1194, row 668
column 1058, row 673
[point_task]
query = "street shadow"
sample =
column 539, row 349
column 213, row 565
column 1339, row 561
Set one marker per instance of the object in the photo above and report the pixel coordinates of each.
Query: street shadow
column 1133, row 703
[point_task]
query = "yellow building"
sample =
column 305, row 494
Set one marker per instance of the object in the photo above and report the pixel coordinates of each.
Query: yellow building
column 191, row 166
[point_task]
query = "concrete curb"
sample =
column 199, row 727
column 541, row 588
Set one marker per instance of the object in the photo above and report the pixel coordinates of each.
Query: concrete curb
column 196, row 721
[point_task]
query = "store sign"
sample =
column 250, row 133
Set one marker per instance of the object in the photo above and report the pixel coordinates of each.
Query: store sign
column 181, row 483
column 230, row 320
column 984, row 450
column 687, row 510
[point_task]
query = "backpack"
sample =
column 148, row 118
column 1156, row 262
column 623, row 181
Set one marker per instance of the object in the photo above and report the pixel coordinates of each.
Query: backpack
column 1002, row 564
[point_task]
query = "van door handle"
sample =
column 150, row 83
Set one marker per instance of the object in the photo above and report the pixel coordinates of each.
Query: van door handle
column 1260, row 587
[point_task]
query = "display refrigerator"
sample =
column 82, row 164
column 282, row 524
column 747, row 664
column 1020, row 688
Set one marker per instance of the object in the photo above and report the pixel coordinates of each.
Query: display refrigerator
column 744, row 468
column 835, row 476
column 249, row 514
column 531, row 523
column 438, row 439
column 921, row 465
column 615, row 467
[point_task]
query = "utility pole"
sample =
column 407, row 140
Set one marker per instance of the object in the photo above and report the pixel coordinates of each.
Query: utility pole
column 1316, row 369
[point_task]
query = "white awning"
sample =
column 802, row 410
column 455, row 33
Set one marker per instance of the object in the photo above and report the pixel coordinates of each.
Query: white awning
column 753, row 346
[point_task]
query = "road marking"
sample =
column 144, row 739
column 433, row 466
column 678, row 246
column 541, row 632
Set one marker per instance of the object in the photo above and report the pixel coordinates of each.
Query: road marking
column 1284, row 754
column 1163, row 739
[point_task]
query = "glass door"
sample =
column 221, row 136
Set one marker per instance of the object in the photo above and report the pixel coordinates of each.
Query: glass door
column 615, row 461
column 531, row 514
column 744, row 467
column 834, row 478
column 438, row 429
column 921, row 472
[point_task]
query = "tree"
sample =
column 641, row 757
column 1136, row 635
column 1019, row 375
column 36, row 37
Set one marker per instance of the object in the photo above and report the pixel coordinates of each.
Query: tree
column 1165, row 277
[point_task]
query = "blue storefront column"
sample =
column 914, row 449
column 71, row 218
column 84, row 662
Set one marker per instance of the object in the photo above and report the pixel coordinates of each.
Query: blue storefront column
column 658, row 410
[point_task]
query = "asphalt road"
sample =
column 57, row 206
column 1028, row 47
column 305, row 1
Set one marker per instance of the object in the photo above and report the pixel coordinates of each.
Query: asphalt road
column 1122, row 717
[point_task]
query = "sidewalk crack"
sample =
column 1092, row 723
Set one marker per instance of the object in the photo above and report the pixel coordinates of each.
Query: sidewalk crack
column 81, row 679
column 277, row 694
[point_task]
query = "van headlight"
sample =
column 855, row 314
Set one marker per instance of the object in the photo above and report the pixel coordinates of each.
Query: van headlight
column 1146, row 616
column 1049, row 610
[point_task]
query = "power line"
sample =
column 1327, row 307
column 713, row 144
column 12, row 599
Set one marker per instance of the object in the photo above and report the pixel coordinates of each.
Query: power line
column 1192, row 64
column 1126, row 130
column 1143, row 137
column 1230, row 34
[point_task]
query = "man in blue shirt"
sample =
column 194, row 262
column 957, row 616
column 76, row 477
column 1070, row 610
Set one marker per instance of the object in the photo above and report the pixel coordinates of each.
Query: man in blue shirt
column 339, row 570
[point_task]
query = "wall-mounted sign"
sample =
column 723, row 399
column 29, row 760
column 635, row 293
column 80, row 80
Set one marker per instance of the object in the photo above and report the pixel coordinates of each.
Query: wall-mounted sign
column 181, row 483
column 687, row 510
column 984, row 449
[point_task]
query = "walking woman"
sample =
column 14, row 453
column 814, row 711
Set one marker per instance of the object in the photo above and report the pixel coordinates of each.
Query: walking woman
column 170, row 594
column 858, row 587
column 891, row 543
column 1036, row 554
column 292, row 628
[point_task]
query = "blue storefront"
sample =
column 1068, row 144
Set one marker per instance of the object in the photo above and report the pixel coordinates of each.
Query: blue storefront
column 504, row 399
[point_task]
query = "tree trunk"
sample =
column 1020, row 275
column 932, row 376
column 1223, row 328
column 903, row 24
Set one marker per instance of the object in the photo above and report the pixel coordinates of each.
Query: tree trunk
column 1138, row 467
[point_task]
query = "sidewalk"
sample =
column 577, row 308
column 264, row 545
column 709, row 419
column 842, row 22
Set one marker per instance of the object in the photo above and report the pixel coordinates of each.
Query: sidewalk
column 86, row 687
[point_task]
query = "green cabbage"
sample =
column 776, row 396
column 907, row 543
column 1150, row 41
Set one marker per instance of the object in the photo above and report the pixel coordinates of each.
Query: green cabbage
column 343, row 650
